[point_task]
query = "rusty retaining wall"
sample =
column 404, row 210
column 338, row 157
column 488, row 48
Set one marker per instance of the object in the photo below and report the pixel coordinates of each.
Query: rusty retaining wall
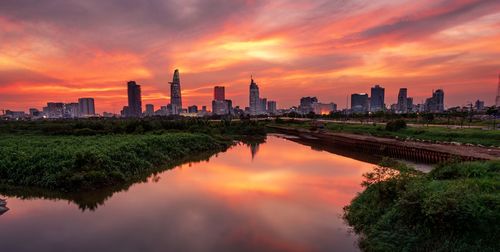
column 394, row 149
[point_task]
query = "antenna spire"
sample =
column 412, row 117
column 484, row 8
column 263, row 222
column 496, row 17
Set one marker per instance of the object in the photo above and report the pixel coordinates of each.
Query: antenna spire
column 497, row 102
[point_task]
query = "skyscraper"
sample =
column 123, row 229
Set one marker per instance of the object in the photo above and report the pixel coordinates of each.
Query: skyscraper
column 221, row 106
column 150, row 110
column 402, row 106
column 219, row 93
column 307, row 104
column 254, row 98
column 54, row 110
column 86, row 107
column 359, row 103
column 175, row 93
column 193, row 109
column 377, row 99
column 439, row 97
column 435, row 104
column 263, row 106
column 134, row 100
column 271, row 107
column 71, row 110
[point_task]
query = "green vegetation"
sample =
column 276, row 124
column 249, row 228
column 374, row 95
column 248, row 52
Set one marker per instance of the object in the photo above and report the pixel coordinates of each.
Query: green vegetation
column 456, row 207
column 91, row 154
column 395, row 125
column 72, row 163
column 442, row 134
column 131, row 126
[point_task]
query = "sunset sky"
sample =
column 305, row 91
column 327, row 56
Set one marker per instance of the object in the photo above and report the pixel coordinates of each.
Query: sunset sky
column 59, row 50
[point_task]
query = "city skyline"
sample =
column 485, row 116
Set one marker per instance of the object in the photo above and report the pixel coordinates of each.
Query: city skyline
column 57, row 52
column 358, row 103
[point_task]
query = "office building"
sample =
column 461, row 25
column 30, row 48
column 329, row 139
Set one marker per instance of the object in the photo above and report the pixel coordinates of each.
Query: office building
column 271, row 108
column 71, row 110
column 86, row 107
column 224, row 107
column 134, row 100
column 409, row 105
column 150, row 110
column 254, row 102
column 34, row 113
column 359, row 103
column 479, row 105
column 377, row 99
column 307, row 104
column 54, row 110
column 219, row 93
column 193, row 109
column 263, row 106
column 435, row 104
column 175, row 93
column 402, row 106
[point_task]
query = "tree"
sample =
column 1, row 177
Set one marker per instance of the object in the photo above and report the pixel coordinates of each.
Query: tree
column 493, row 111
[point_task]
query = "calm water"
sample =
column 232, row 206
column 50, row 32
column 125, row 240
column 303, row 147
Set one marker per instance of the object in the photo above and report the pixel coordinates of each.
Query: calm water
column 278, row 196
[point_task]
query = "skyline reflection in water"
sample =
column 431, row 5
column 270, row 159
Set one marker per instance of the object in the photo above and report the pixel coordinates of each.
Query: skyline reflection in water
column 283, row 197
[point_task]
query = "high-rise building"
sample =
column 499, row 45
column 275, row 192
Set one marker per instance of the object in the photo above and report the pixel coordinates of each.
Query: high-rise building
column 219, row 93
column 479, row 105
column 497, row 102
column 175, row 93
column 224, row 107
column 125, row 111
column 254, row 98
column 263, row 106
column 134, row 100
column 271, row 107
column 193, row 109
column 150, row 110
column 55, row 110
column 409, row 105
column 435, row 104
column 86, row 107
column 72, row 110
column 402, row 106
column 307, row 104
column 221, row 106
column 33, row 112
column 377, row 99
column 359, row 103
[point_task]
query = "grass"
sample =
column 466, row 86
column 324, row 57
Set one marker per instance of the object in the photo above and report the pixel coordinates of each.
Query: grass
column 456, row 207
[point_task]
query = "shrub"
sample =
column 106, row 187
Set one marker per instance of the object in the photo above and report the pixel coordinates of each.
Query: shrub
column 456, row 207
column 395, row 125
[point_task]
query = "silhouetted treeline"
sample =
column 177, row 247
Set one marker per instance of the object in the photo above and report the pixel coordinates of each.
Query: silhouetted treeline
column 89, row 127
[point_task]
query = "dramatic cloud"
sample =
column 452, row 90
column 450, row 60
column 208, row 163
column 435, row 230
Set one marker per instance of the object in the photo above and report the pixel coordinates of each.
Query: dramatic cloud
column 59, row 50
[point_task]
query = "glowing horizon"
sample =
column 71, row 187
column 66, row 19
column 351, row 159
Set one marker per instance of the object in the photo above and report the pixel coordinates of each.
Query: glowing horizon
column 60, row 50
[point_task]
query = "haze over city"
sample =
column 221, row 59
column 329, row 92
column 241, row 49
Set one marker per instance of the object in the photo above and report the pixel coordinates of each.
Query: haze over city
column 62, row 50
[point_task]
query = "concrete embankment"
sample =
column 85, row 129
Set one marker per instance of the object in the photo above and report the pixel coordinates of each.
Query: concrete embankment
column 415, row 151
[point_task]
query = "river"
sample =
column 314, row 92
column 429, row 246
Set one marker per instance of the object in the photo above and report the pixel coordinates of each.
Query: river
column 277, row 196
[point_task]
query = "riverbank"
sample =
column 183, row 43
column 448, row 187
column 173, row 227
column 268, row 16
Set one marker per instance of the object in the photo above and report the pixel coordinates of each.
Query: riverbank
column 71, row 163
column 455, row 207
column 432, row 134
column 88, row 155
column 396, row 148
